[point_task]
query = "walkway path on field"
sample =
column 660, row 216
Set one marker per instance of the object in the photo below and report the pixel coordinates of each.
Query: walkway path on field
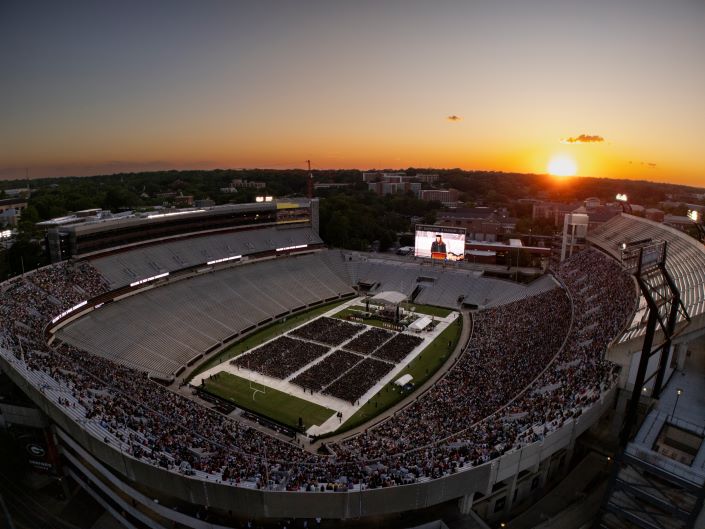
column 450, row 362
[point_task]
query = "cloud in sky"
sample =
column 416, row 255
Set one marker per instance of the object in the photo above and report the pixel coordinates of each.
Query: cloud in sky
column 584, row 138
column 650, row 165
column 454, row 118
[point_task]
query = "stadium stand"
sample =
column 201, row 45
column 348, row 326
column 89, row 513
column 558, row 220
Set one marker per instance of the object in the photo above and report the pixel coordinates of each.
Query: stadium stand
column 440, row 287
column 542, row 284
column 168, row 327
column 123, row 268
column 685, row 261
column 531, row 366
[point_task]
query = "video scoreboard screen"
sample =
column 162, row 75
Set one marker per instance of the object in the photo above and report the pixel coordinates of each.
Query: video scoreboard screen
column 440, row 242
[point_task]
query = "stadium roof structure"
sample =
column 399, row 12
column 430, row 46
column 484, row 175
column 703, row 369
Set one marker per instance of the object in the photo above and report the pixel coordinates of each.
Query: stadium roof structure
column 685, row 261
column 390, row 297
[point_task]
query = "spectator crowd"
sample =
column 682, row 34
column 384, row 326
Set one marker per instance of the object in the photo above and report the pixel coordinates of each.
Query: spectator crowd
column 396, row 349
column 330, row 331
column 281, row 357
column 529, row 367
column 327, row 370
column 368, row 342
column 356, row 382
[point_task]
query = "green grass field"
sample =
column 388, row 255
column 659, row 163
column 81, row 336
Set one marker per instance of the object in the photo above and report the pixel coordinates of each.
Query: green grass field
column 286, row 409
column 275, row 404
column 429, row 310
column 421, row 368
column 264, row 334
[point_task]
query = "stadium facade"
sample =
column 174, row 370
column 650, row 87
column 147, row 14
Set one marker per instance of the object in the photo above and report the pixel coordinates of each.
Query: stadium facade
column 155, row 296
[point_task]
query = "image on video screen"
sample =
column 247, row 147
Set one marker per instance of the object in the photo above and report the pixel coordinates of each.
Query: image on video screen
column 440, row 242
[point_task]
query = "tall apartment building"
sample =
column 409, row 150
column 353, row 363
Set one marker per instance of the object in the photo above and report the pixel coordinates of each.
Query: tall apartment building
column 448, row 197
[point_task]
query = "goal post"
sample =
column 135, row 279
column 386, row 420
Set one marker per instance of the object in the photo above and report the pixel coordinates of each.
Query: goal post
column 257, row 387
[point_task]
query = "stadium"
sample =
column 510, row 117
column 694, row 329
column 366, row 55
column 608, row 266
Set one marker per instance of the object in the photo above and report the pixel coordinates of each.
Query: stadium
column 208, row 367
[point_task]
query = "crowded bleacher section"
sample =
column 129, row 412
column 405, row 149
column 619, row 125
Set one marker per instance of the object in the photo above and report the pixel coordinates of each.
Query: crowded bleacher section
column 530, row 366
column 518, row 367
column 166, row 328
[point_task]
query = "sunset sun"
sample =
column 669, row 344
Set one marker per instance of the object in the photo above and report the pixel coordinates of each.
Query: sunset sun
column 562, row 165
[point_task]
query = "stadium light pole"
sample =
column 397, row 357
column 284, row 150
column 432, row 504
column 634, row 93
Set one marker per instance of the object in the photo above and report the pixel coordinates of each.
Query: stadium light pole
column 624, row 202
column 697, row 219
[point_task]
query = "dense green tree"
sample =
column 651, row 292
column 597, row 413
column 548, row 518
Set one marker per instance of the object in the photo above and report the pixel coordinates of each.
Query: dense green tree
column 351, row 217
column 355, row 219
column 386, row 239
column 24, row 255
column 117, row 198
column 27, row 251
column 406, row 239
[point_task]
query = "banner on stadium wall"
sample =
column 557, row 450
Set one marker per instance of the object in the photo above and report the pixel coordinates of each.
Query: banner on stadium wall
column 37, row 452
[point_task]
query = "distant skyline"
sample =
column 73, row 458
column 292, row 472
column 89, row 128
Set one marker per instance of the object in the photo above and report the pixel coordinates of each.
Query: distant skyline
column 601, row 88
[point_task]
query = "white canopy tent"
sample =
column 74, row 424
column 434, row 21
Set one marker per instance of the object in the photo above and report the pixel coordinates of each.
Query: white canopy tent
column 403, row 381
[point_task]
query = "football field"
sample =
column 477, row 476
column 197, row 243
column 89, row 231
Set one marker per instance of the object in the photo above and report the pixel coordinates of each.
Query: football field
column 316, row 384
column 272, row 403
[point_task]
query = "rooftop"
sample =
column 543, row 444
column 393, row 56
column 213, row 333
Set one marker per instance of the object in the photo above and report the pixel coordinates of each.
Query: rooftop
column 90, row 220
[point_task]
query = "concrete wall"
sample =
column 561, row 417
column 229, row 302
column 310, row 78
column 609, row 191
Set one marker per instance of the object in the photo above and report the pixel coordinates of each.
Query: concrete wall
column 628, row 354
column 23, row 415
column 273, row 504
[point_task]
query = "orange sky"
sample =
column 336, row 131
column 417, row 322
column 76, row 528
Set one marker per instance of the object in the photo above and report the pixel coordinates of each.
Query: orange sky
column 102, row 89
